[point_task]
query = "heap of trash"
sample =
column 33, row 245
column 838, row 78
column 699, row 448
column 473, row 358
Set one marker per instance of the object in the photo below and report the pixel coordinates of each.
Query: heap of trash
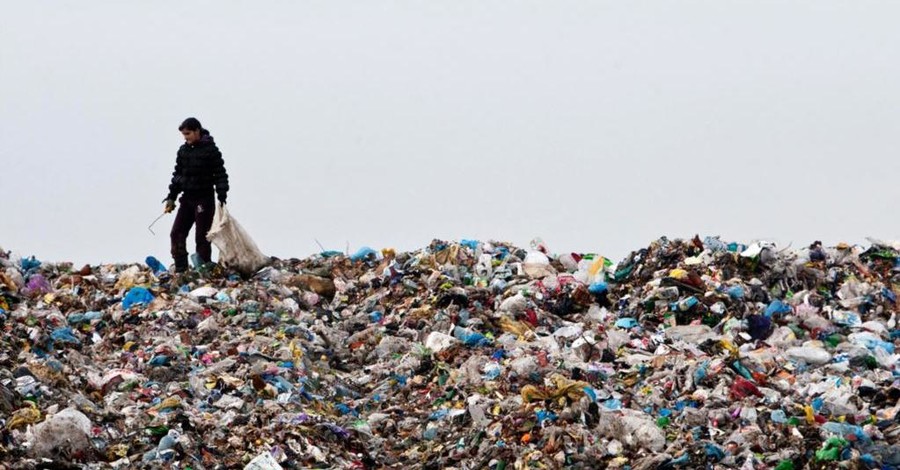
column 468, row 355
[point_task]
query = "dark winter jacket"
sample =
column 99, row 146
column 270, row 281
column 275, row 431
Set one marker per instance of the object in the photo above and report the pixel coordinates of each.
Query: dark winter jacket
column 198, row 169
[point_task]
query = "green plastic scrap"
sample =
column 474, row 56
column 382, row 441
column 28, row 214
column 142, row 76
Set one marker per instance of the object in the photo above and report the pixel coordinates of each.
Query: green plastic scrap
column 832, row 449
column 785, row 465
column 623, row 273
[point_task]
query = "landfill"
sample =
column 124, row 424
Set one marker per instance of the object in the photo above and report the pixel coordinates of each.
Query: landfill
column 689, row 353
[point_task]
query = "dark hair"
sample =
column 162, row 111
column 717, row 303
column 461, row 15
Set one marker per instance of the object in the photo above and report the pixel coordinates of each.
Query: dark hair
column 191, row 124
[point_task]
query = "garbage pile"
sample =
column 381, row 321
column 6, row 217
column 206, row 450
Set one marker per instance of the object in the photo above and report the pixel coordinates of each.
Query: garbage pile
column 468, row 355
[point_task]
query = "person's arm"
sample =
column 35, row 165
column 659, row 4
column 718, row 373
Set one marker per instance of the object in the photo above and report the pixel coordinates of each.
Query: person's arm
column 220, row 178
column 175, row 185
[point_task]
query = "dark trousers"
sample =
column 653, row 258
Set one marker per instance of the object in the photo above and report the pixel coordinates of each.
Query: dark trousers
column 193, row 209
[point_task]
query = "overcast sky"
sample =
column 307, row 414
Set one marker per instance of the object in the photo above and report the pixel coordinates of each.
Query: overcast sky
column 598, row 126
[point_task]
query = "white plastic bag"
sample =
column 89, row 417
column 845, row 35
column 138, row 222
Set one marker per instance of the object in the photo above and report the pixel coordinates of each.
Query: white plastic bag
column 236, row 249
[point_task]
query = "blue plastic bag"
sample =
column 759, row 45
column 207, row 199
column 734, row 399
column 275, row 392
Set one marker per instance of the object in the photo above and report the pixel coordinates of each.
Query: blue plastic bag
column 598, row 288
column 473, row 244
column 30, row 263
column 759, row 326
column 155, row 265
column 889, row 295
column 612, row 404
column 137, row 296
column 736, row 292
column 777, row 307
column 363, row 253
column 64, row 335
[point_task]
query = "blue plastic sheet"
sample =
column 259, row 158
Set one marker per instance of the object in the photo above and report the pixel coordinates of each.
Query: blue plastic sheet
column 472, row 339
column 889, row 295
column 777, row 307
column 492, row 371
column 684, row 305
column 713, row 452
column 160, row 360
column 701, row 372
column 30, row 263
column 545, row 415
column 714, row 244
column 844, row 429
column 612, row 404
column 137, row 296
column 64, row 335
column 439, row 414
column 363, row 253
column 598, row 288
column 473, row 244
column 155, row 265
column 779, row 417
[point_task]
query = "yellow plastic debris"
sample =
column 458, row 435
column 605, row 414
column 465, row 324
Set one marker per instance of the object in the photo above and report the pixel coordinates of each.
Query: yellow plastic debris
column 679, row 274
column 573, row 389
column 23, row 417
column 518, row 328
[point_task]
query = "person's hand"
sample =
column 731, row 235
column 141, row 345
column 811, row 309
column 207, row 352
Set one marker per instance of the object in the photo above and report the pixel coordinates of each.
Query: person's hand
column 170, row 206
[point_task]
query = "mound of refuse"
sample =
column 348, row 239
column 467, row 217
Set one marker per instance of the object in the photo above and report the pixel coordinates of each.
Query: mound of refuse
column 468, row 355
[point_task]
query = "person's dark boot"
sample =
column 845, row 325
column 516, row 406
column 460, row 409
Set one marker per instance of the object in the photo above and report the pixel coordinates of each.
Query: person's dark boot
column 181, row 265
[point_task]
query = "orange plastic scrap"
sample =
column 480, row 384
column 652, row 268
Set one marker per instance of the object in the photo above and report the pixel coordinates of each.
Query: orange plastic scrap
column 785, row 375
column 597, row 266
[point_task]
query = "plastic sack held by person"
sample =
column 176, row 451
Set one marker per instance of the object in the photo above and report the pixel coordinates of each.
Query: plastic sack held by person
column 236, row 249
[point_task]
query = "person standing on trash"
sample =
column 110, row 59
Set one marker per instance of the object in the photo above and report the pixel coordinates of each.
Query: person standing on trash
column 199, row 176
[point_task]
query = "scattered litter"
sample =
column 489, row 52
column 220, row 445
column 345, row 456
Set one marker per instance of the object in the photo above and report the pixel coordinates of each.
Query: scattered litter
column 686, row 354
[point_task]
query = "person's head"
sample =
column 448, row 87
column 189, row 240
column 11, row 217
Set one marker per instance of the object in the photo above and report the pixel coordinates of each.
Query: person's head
column 192, row 130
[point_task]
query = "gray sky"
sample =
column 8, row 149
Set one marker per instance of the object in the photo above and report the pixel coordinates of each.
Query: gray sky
column 598, row 126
